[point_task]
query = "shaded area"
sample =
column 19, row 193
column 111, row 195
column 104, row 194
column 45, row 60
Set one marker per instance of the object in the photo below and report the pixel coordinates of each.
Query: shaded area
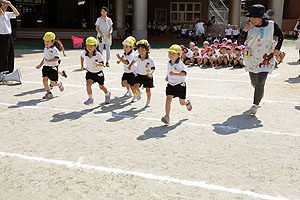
column 293, row 80
column 131, row 113
column 72, row 115
column 32, row 102
column 236, row 123
column 30, row 92
column 159, row 131
column 297, row 107
column 293, row 63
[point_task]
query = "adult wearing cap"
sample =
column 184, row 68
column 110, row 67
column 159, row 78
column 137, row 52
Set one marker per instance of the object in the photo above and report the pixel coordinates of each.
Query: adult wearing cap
column 104, row 30
column 259, row 59
column 6, row 39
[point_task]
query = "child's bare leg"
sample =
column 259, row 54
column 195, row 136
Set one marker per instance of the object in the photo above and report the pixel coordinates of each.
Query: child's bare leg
column 199, row 60
column 89, row 84
column 136, row 88
column 60, row 73
column 241, row 62
column 53, row 83
column 225, row 61
column 183, row 102
column 45, row 83
column 148, row 91
column 168, row 104
column 103, row 88
column 124, row 83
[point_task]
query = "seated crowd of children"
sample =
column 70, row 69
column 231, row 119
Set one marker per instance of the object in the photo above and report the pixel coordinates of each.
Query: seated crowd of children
column 225, row 53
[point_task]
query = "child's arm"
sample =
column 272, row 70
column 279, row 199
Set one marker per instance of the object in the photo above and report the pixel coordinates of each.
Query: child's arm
column 82, row 63
column 98, row 64
column 52, row 60
column 121, row 59
column 41, row 64
column 132, row 63
column 149, row 74
column 182, row 73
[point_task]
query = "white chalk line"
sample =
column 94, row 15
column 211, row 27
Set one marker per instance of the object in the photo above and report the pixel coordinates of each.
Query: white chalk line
column 199, row 184
column 189, row 95
column 226, row 128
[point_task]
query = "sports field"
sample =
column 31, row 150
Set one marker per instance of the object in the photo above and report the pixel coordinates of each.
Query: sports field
column 63, row 149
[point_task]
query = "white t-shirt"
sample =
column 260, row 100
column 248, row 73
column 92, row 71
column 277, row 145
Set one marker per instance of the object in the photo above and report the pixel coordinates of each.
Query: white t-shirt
column 207, row 56
column 129, row 58
column 183, row 31
column 235, row 32
column 225, row 54
column 235, row 56
column 143, row 66
column 90, row 61
column 189, row 54
column 5, row 25
column 51, row 53
column 228, row 31
column 199, row 26
column 177, row 68
column 199, row 56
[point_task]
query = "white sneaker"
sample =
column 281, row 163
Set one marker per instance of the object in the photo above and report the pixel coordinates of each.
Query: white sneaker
column 134, row 99
column 139, row 96
column 142, row 89
column 253, row 109
column 128, row 94
column 148, row 103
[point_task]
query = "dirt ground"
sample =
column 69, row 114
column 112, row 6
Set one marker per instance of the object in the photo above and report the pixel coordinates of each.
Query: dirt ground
column 63, row 149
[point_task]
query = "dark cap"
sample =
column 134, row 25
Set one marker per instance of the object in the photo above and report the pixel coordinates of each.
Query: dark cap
column 258, row 11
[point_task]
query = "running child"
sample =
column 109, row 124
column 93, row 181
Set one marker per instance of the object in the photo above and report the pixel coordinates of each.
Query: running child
column 144, row 69
column 50, row 64
column 94, row 66
column 128, row 77
column 176, row 87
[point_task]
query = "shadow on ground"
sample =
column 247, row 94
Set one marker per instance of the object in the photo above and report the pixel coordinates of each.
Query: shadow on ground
column 236, row 123
column 293, row 80
column 159, row 131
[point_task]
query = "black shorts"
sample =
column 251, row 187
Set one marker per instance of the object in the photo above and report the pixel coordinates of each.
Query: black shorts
column 144, row 80
column 96, row 77
column 178, row 90
column 129, row 77
column 228, row 37
column 235, row 37
column 51, row 73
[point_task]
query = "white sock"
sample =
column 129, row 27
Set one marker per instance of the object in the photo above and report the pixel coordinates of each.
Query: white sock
column 90, row 96
column 107, row 93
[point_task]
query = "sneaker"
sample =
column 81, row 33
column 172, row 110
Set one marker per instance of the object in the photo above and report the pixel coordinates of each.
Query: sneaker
column 89, row 101
column 142, row 89
column 253, row 109
column 107, row 64
column 189, row 105
column 107, row 98
column 139, row 96
column 128, row 93
column 148, row 103
column 165, row 119
column 48, row 96
column 64, row 74
column 134, row 99
column 61, row 87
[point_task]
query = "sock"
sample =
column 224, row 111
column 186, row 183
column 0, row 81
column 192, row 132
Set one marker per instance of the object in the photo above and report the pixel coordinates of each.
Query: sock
column 90, row 96
column 135, row 94
column 107, row 94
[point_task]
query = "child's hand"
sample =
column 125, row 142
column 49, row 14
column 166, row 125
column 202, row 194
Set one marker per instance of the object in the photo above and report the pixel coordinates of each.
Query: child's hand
column 98, row 64
column 172, row 73
column 83, row 68
column 38, row 66
column 129, row 68
column 65, row 55
column 118, row 56
column 149, row 74
column 166, row 78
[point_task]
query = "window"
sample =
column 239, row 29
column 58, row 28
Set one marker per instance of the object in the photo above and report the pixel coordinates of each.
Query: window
column 160, row 15
column 184, row 11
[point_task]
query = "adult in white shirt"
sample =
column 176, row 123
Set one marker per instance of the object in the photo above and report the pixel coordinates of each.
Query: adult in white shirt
column 6, row 41
column 199, row 27
column 104, row 29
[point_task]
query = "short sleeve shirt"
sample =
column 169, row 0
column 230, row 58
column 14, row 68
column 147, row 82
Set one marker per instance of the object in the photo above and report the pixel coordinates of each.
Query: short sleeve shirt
column 189, row 54
column 129, row 58
column 228, row 31
column 177, row 68
column 143, row 66
column 5, row 25
column 90, row 66
column 51, row 53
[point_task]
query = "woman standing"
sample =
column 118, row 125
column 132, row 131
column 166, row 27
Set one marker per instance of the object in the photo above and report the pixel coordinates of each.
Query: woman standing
column 104, row 29
column 259, row 59
column 6, row 40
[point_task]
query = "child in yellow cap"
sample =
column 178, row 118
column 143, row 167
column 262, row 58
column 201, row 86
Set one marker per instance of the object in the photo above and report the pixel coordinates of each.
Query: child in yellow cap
column 94, row 66
column 50, row 63
column 144, row 69
column 176, row 82
column 128, row 78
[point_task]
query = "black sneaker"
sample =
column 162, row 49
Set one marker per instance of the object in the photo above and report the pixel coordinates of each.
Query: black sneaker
column 107, row 64
column 64, row 74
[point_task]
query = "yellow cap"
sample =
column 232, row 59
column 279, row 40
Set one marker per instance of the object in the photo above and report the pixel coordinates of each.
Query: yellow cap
column 128, row 42
column 132, row 38
column 91, row 41
column 145, row 42
column 175, row 48
column 49, row 36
